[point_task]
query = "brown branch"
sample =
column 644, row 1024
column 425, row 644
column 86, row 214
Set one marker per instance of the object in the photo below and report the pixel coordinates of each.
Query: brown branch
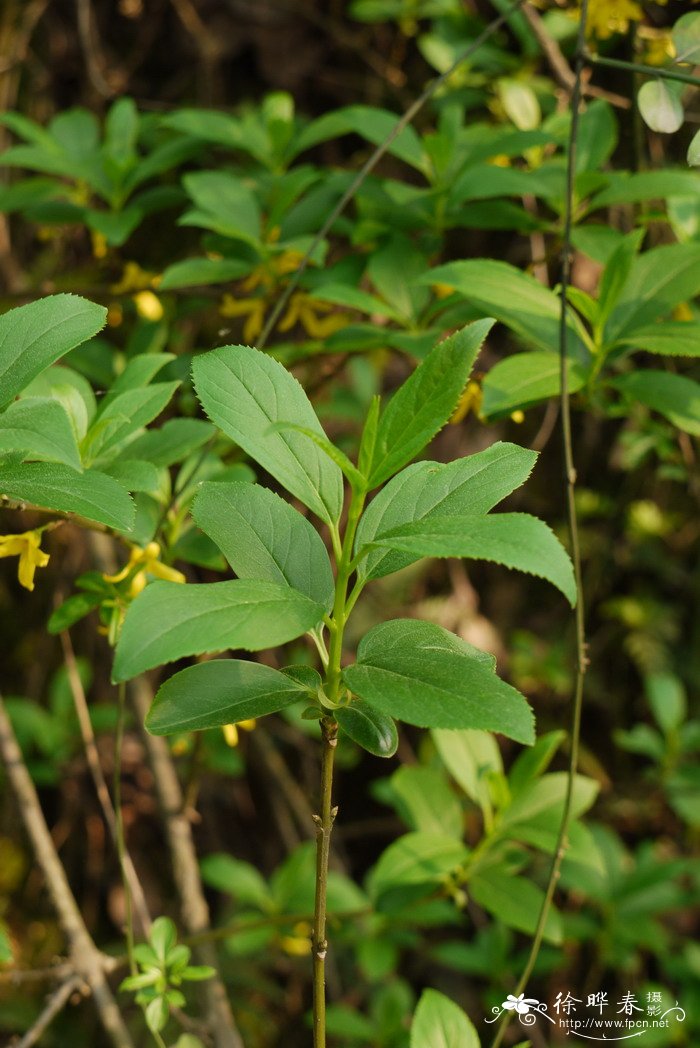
column 86, row 958
column 91, row 50
column 55, row 1004
column 93, row 761
column 193, row 905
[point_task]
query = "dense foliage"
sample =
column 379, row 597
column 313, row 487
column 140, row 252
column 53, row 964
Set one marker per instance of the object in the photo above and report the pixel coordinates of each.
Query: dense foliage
column 252, row 403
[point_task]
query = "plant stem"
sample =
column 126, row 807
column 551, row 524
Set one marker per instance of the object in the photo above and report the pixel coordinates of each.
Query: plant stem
column 329, row 735
column 121, row 843
column 324, row 826
column 570, row 480
column 660, row 72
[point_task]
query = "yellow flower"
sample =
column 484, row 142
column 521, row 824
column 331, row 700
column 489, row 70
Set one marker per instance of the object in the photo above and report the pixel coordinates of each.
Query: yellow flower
column 133, row 278
column 143, row 562
column 298, row 944
column 253, row 309
column 27, row 547
column 469, row 401
column 231, row 730
column 607, row 17
column 148, row 306
column 304, row 309
column 99, row 244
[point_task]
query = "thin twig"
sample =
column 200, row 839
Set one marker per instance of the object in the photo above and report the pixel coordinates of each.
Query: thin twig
column 91, row 51
column 85, row 956
column 324, row 826
column 570, row 481
column 55, row 1004
column 93, row 761
column 193, row 905
column 372, row 162
column 661, row 72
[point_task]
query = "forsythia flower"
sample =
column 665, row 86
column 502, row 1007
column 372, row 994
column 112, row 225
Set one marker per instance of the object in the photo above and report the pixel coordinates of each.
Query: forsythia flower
column 27, row 547
column 145, row 562
column 231, row 730
column 303, row 308
column 606, row 17
column 469, row 401
column 253, row 309
column 148, row 305
column 298, row 944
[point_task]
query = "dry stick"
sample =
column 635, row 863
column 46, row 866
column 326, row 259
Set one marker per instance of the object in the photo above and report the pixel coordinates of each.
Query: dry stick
column 93, row 761
column 570, row 480
column 372, row 162
column 87, row 959
column 194, row 909
column 56, row 1002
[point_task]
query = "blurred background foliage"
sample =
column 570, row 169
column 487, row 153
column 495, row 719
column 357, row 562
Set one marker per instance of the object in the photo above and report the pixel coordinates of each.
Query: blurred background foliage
column 175, row 160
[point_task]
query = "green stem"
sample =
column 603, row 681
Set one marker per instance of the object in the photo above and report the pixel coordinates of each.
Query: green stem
column 635, row 67
column 570, row 479
column 119, row 827
column 324, row 827
column 329, row 734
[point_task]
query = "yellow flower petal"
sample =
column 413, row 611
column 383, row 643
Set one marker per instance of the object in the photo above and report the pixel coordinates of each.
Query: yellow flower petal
column 230, row 734
column 148, row 306
column 26, row 546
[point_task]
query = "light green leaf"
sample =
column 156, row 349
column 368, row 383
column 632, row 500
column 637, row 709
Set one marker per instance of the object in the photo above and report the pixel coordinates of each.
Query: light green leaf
column 123, row 416
column 693, row 155
column 40, row 427
column 660, row 105
column 440, row 1023
column 238, row 879
column 424, row 675
column 263, row 537
column 416, row 859
column 516, row 540
column 667, row 699
column 162, row 937
column 172, row 442
column 676, row 397
column 515, row 901
column 658, row 281
column 425, row 402
column 516, row 299
column 427, row 490
column 36, row 335
column 90, row 494
column 470, row 757
column 615, row 274
column 672, row 338
column 6, row 953
column 224, row 204
column 548, row 793
column 520, row 103
column 525, row 379
column 372, row 124
column 426, row 801
column 394, row 270
column 686, row 38
column 135, row 475
column 354, row 298
column 170, row 621
column 196, row 272
column 157, row 1014
column 369, row 728
column 219, row 692
column 138, row 372
column 635, row 187
column 246, row 392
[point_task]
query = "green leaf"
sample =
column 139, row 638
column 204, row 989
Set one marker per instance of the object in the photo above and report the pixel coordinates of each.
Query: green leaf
column 394, row 270
column 667, row 699
column 471, row 757
column 172, row 442
column 676, row 397
column 224, row 204
column 425, row 402
column 671, row 338
column 548, row 793
column 525, row 379
column 170, row 621
column 516, row 540
column 369, row 728
column 659, row 279
column 372, row 123
column 635, row 187
column 615, row 274
column 162, row 937
column 222, row 691
column 157, row 1013
column 6, row 953
column 426, row 801
column 354, row 298
column 41, row 428
column 121, row 132
column 427, row 490
column 123, row 416
column 660, row 105
column 533, row 762
column 693, row 155
column 72, row 610
column 417, row 859
column 36, row 335
column 263, row 537
column 516, row 299
column 238, row 879
column 246, row 392
column 90, row 494
column 686, row 38
column 440, row 1023
column 196, row 272
column 514, row 901
column 424, row 675
column 349, row 471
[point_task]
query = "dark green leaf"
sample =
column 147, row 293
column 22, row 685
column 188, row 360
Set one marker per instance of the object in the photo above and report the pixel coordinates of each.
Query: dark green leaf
column 170, row 621
column 674, row 396
column 220, row 692
column 368, row 727
column 424, row 675
column 90, row 494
